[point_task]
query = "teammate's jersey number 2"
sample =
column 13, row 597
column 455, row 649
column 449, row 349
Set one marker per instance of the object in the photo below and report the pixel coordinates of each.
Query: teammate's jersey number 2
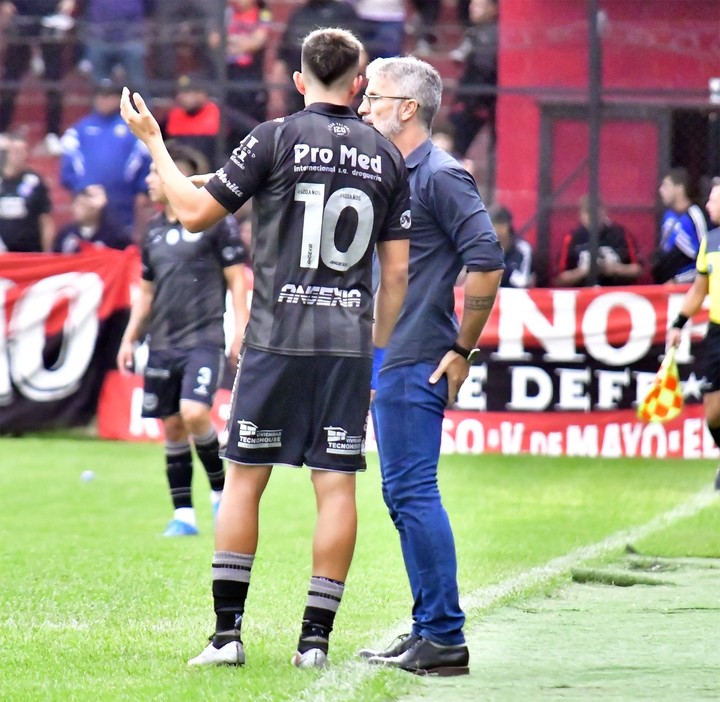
column 320, row 223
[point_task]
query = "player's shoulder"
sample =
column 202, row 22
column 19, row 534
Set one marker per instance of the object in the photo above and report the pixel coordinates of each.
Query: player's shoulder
column 442, row 171
column 156, row 225
column 266, row 133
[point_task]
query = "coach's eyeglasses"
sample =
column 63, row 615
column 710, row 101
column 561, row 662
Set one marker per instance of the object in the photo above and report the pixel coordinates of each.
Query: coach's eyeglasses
column 372, row 98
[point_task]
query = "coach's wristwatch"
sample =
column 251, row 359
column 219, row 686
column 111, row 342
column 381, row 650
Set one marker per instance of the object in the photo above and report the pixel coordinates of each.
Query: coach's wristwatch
column 468, row 354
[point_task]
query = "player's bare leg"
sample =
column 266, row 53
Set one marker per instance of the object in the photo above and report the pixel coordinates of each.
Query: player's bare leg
column 237, row 523
column 197, row 421
column 336, row 526
column 333, row 548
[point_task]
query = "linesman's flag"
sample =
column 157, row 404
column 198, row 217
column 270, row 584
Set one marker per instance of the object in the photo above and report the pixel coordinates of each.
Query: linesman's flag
column 664, row 400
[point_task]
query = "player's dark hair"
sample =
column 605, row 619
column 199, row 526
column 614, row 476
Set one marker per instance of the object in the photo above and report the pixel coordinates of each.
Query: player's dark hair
column 192, row 158
column 330, row 54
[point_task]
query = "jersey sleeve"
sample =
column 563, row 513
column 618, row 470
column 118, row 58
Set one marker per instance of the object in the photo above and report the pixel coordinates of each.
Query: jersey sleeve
column 459, row 210
column 146, row 269
column 399, row 219
column 42, row 203
column 227, row 245
column 248, row 167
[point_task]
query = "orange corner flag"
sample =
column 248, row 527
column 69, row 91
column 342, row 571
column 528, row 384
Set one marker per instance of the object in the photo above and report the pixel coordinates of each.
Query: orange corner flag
column 664, row 400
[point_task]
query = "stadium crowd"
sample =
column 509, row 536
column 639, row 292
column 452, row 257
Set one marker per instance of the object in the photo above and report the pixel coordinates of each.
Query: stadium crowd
column 213, row 70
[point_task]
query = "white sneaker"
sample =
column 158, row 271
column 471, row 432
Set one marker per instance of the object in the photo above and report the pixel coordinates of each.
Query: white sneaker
column 314, row 658
column 231, row 653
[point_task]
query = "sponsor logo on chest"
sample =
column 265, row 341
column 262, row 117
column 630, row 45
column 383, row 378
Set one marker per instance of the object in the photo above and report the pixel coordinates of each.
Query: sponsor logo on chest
column 347, row 156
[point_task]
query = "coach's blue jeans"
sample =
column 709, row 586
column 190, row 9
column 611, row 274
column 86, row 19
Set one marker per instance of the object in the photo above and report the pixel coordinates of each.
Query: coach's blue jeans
column 407, row 415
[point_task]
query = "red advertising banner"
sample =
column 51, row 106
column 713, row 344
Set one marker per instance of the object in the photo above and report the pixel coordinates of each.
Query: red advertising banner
column 561, row 373
column 591, row 434
column 120, row 410
column 62, row 319
column 579, row 350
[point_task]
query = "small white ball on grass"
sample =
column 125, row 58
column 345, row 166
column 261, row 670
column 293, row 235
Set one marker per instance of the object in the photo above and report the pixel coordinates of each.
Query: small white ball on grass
column 87, row 476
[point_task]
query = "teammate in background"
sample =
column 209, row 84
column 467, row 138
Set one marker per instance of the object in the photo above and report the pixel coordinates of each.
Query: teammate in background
column 328, row 191
column 428, row 357
column 181, row 303
column 683, row 227
column 707, row 282
column 99, row 150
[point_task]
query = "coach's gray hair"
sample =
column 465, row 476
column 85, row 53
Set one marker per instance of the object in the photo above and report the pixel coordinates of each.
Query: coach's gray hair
column 415, row 79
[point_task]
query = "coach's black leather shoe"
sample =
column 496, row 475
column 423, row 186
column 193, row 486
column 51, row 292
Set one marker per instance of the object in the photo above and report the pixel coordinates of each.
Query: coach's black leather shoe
column 427, row 658
column 401, row 644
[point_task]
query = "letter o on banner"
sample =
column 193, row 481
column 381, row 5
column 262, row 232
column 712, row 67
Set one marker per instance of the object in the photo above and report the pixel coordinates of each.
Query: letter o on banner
column 83, row 291
column 642, row 328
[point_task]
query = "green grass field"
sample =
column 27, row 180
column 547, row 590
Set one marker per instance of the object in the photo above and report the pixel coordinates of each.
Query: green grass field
column 95, row 604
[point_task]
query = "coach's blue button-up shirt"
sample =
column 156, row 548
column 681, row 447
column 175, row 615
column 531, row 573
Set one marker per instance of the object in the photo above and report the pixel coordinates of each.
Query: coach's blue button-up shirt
column 450, row 229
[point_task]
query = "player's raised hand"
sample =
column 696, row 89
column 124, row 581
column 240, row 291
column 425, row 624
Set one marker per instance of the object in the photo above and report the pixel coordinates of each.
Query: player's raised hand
column 138, row 117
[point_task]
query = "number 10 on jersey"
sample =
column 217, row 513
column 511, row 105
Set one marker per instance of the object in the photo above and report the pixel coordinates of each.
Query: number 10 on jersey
column 320, row 222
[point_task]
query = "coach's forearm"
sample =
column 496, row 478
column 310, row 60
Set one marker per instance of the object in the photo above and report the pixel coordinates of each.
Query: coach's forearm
column 480, row 291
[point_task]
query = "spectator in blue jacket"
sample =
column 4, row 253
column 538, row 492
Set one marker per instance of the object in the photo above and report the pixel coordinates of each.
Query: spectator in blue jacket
column 101, row 150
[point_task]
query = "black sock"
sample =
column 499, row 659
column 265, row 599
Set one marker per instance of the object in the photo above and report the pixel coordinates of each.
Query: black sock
column 231, row 579
column 324, row 596
column 715, row 433
column 178, row 460
column 208, row 451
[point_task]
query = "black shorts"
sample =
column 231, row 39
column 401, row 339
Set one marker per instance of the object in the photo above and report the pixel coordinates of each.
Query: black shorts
column 711, row 358
column 183, row 374
column 297, row 410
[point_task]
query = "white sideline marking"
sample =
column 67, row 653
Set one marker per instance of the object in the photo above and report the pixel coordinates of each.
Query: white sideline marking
column 342, row 681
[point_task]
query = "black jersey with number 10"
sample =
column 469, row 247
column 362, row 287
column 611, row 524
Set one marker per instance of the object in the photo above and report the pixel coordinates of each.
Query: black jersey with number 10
column 327, row 187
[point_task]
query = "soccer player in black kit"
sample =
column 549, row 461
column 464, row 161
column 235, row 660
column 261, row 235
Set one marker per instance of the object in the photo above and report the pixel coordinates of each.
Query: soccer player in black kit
column 180, row 305
column 328, row 190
